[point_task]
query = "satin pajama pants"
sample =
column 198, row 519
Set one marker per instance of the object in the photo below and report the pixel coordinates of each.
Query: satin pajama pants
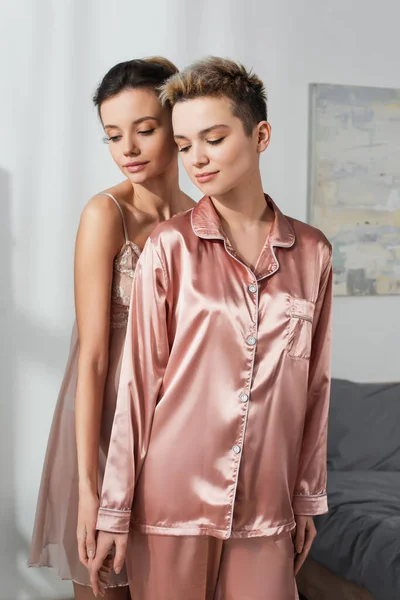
column 205, row 568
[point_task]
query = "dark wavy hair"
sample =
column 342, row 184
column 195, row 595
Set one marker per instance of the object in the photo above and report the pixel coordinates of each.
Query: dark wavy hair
column 148, row 73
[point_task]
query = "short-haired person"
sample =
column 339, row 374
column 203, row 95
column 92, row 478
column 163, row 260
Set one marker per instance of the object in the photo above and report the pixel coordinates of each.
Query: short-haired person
column 217, row 458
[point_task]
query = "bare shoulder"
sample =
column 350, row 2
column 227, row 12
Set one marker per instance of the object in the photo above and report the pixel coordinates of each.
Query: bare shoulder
column 101, row 221
column 101, row 210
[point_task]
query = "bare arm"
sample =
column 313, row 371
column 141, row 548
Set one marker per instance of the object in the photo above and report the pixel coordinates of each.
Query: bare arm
column 98, row 241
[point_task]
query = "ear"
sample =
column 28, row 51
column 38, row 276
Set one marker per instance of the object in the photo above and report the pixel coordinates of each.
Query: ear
column 263, row 130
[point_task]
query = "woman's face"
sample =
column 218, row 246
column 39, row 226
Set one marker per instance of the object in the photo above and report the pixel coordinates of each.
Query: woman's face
column 139, row 133
column 215, row 149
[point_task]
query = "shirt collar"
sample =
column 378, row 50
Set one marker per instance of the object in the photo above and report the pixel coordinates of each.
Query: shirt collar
column 206, row 224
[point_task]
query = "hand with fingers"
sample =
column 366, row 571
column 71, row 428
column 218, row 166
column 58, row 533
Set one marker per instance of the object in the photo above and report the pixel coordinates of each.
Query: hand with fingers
column 100, row 566
column 104, row 573
column 86, row 530
column 303, row 537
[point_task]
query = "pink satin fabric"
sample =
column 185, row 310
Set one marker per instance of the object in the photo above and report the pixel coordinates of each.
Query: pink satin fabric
column 221, row 420
column 203, row 568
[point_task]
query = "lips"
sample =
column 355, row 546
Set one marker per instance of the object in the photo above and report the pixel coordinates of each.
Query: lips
column 204, row 177
column 135, row 166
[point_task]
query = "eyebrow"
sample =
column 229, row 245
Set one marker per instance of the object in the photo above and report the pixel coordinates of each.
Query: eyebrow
column 203, row 131
column 137, row 122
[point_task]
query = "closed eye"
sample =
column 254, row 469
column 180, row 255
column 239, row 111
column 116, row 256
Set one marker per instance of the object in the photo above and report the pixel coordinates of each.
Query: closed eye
column 215, row 142
column 146, row 132
column 113, row 138
column 184, row 149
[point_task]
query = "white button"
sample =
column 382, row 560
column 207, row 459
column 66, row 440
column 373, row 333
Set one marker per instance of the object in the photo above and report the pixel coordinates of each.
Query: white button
column 236, row 449
column 243, row 397
column 252, row 288
column 251, row 341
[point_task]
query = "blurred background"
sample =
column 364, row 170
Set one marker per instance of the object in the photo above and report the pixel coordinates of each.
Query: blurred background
column 52, row 160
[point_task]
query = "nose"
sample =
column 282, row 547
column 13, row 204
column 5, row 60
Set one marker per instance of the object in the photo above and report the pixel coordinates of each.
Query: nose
column 199, row 157
column 131, row 148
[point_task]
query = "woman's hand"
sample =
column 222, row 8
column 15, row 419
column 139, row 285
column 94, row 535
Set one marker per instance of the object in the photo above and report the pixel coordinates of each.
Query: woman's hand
column 86, row 531
column 303, row 537
column 100, row 565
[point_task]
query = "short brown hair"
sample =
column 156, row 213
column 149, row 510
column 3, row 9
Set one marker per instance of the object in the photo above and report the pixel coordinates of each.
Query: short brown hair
column 220, row 78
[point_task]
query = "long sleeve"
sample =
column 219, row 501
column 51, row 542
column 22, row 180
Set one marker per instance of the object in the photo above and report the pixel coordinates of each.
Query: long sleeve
column 310, row 490
column 144, row 361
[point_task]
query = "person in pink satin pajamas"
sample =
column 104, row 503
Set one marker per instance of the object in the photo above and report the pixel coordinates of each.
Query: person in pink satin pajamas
column 217, row 458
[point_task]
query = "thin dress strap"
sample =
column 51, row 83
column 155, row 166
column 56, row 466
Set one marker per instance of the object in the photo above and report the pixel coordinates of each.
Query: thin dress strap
column 122, row 214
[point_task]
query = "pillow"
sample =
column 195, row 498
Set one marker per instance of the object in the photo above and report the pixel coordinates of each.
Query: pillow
column 364, row 426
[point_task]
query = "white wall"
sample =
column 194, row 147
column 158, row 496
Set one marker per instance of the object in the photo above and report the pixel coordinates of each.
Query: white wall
column 52, row 160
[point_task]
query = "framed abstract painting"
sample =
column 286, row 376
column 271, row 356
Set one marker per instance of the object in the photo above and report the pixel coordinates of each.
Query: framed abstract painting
column 354, row 184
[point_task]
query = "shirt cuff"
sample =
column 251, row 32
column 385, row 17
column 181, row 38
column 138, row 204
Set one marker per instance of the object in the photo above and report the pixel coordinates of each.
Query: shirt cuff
column 310, row 506
column 113, row 521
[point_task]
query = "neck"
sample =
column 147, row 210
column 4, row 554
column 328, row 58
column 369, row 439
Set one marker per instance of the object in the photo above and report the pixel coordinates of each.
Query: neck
column 243, row 206
column 161, row 197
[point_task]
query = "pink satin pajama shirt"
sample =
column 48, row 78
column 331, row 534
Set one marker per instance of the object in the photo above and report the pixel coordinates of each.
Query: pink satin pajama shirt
column 221, row 420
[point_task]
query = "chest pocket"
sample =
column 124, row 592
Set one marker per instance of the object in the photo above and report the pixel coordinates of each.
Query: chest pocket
column 299, row 331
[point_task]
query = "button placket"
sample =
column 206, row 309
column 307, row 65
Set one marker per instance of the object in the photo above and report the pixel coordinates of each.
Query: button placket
column 244, row 397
